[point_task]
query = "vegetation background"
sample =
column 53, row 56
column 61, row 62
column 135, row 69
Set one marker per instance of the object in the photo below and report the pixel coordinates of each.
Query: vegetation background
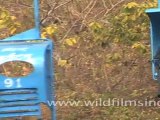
column 102, row 50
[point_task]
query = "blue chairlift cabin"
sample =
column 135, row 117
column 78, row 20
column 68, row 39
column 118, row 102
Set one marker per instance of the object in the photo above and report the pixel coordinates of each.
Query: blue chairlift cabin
column 22, row 96
column 154, row 15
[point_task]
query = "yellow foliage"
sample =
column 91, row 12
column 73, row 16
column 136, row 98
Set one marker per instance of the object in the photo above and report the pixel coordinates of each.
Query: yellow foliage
column 139, row 46
column 131, row 5
column 8, row 23
column 3, row 14
column 71, row 41
column 113, row 57
column 13, row 30
column 62, row 63
column 43, row 35
column 108, row 65
column 13, row 17
column 50, row 30
column 95, row 25
column 133, row 17
column 2, row 24
column 152, row 4
column 116, row 56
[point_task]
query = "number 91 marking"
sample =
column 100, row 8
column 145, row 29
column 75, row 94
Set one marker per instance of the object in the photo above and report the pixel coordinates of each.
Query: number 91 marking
column 10, row 83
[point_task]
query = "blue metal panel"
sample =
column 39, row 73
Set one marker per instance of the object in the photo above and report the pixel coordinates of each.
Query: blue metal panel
column 39, row 54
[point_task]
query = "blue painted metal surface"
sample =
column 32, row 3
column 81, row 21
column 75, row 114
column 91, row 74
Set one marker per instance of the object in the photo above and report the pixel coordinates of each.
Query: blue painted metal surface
column 154, row 15
column 22, row 96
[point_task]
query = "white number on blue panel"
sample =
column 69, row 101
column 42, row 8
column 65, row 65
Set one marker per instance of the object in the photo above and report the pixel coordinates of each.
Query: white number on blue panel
column 10, row 83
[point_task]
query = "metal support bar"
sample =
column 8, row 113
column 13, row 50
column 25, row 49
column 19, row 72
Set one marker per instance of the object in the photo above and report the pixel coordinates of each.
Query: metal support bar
column 37, row 15
column 158, row 3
